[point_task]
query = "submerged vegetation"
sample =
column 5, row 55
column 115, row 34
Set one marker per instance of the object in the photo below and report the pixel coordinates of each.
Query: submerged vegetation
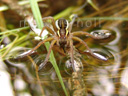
column 104, row 71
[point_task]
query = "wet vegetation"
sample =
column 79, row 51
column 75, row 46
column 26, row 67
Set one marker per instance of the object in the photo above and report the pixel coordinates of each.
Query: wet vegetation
column 101, row 74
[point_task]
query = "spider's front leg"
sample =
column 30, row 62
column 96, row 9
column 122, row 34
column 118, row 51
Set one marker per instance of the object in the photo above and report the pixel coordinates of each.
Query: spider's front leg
column 34, row 28
column 48, row 29
column 53, row 21
column 48, row 54
column 39, row 44
column 98, row 34
column 73, row 18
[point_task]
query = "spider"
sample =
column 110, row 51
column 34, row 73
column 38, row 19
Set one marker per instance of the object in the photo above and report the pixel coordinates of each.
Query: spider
column 63, row 37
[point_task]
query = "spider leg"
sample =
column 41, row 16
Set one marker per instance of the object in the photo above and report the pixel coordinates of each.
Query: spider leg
column 48, row 29
column 72, row 55
column 72, row 22
column 20, row 56
column 47, row 57
column 78, row 33
column 53, row 21
column 81, row 41
column 39, row 44
column 33, row 25
column 94, row 56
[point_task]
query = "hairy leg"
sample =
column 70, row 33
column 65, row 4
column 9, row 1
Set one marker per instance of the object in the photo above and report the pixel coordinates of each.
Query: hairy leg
column 48, row 29
column 72, row 22
column 53, row 21
column 47, row 57
column 79, row 33
column 39, row 44
column 72, row 55
column 81, row 41
column 94, row 56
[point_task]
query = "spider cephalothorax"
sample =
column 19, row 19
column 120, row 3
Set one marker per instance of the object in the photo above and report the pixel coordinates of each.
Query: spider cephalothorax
column 62, row 32
column 63, row 37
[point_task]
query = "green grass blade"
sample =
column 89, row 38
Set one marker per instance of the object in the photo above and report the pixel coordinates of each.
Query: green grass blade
column 38, row 18
column 93, row 5
column 14, row 30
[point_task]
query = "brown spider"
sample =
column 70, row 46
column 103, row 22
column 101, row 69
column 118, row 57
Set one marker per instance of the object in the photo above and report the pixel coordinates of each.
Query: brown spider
column 63, row 37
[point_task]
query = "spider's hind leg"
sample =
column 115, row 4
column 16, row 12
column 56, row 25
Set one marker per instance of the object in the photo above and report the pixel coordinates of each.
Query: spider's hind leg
column 89, row 50
column 72, row 55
